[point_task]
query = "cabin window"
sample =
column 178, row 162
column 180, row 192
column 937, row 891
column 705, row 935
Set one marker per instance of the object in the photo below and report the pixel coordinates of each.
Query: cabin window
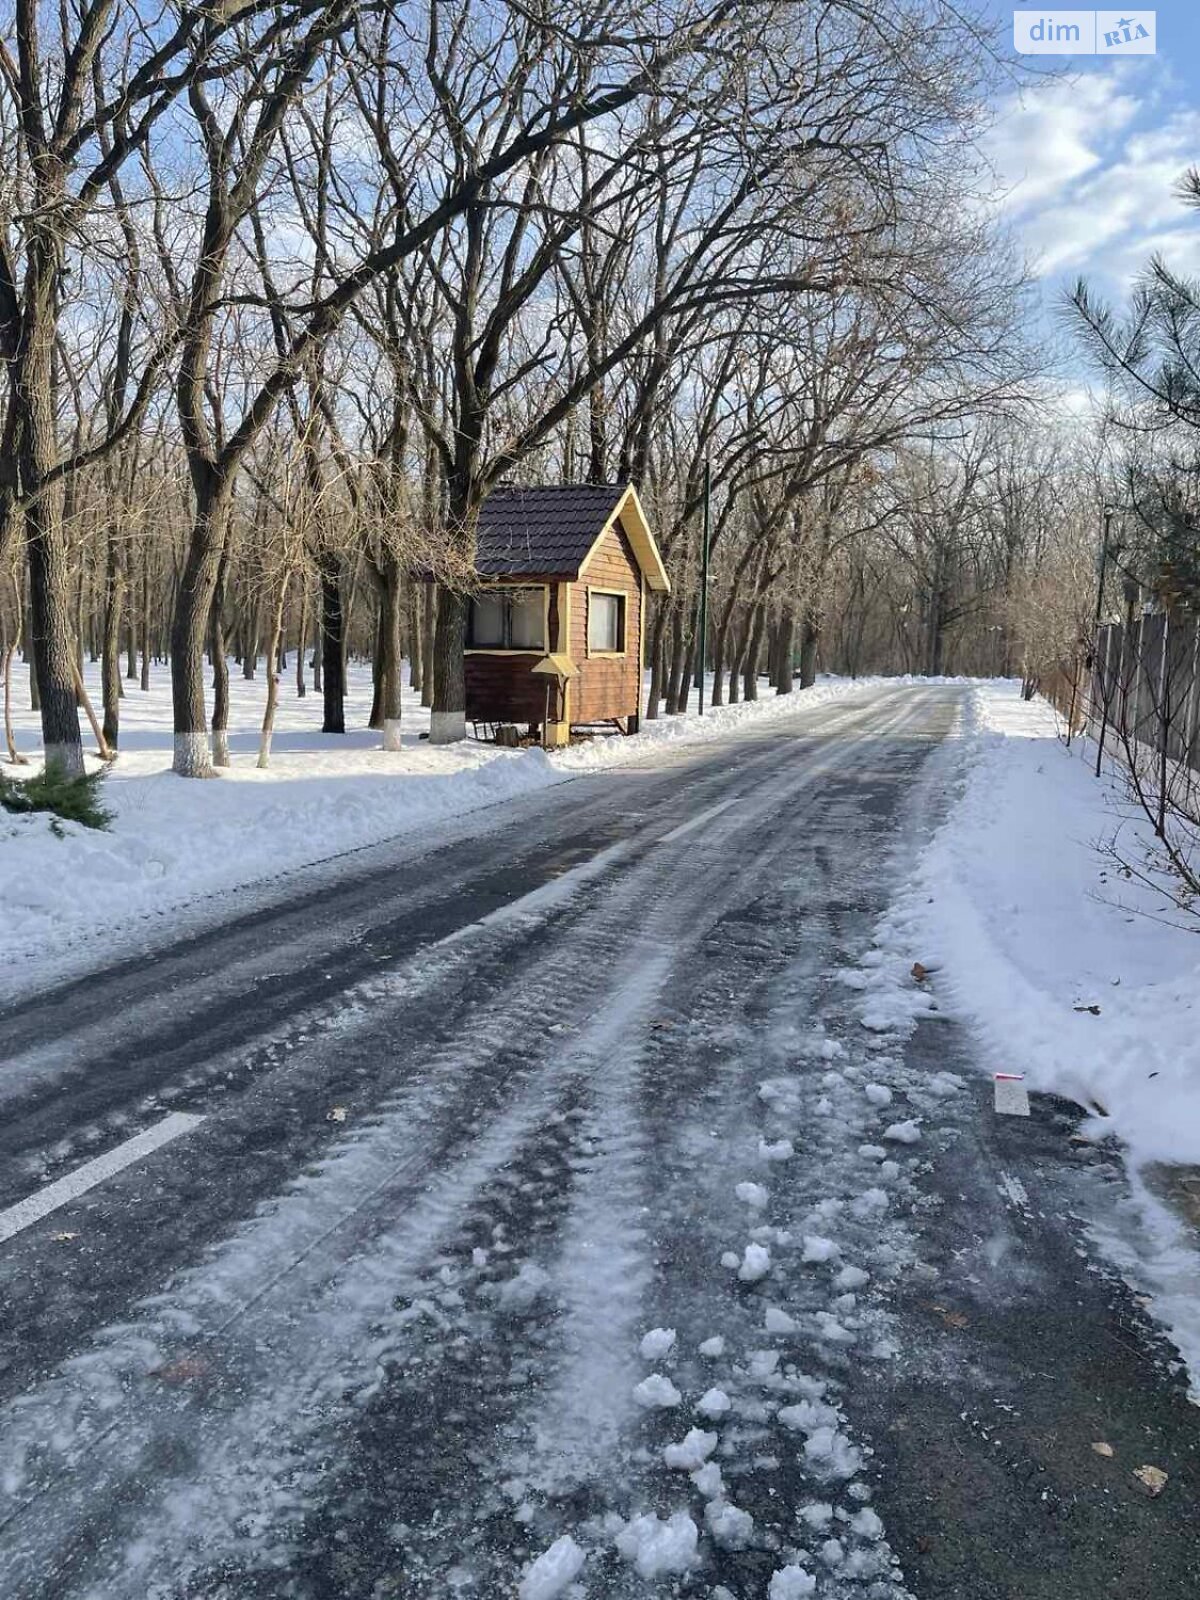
column 606, row 623
column 508, row 619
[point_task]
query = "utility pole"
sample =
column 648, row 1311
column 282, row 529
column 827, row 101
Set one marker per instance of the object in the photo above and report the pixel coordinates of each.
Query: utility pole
column 705, row 531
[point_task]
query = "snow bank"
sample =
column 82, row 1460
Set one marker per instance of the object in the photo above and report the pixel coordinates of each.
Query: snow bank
column 1073, row 977
column 1029, row 928
column 176, row 842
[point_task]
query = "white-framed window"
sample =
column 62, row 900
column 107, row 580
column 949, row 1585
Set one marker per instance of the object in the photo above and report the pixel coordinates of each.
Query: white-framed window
column 606, row 623
column 508, row 619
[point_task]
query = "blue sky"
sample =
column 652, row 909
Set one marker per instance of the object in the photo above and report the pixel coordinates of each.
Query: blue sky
column 1089, row 158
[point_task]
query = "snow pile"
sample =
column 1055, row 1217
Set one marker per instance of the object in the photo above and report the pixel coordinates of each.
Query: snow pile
column 552, row 1571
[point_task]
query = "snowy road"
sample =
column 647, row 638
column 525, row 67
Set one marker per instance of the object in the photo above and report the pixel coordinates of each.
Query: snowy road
column 562, row 1221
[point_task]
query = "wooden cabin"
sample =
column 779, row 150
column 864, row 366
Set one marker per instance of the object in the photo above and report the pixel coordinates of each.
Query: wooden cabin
column 556, row 633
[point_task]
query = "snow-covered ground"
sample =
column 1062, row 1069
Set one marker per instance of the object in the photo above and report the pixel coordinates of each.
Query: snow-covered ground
column 174, row 842
column 1077, row 979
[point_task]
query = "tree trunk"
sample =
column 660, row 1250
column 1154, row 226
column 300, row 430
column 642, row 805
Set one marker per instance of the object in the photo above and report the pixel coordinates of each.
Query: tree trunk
column 785, row 645
column 810, row 636
column 81, row 696
column 718, row 686
column 249, row 633
column 391, row 668
column 735, row 660
column 131, row 660
column 757, row 623
column 268, row 721
column 415, row 640
column 144, row 683
column 13, row 756
column 32, row 392
column 675, row 676
column 8, row 726
column 428, row 653
column 375, row 720
column 448, row 719
column 190, row 625
column 220, row 667
column 301, row 687
column 333, row 658
column 110, row 663
column 654, row 693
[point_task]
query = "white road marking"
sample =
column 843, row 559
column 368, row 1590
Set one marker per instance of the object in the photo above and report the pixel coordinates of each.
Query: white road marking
column 39, row 1205
column 686, row 827
column 1012, row 1098
column 542, row 899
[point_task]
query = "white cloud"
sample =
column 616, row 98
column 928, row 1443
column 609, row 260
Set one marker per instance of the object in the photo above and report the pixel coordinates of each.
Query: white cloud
column 1050, row 135
column 1089, row 189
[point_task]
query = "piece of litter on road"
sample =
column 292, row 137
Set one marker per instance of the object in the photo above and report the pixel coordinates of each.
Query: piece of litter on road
column 336, row 1114
column 63, row 1238
column 1012, row 1097
column 1103, row 1449
column 1152, row 1479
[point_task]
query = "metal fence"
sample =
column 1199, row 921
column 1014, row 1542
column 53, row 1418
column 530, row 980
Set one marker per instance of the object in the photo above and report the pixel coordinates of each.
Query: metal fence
column 1145, row 685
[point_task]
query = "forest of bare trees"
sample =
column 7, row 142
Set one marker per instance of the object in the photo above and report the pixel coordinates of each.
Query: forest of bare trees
column 286, row 289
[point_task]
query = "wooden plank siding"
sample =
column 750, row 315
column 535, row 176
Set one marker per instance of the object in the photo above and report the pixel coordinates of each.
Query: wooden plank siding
column 501, row 686
column 607, row 686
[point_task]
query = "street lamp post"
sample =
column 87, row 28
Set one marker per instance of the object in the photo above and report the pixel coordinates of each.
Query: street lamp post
column 1105, row 551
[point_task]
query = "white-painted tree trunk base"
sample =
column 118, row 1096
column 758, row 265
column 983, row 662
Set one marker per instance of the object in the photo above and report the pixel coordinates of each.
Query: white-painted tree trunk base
column 264, row 752
column 220, row 747
column 66, row 758
column 191, row 756
column 391, row 733
column 447, row 727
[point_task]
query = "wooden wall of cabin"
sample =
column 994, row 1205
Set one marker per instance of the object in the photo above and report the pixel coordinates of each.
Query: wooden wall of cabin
column 607, row 686
column 501, row 686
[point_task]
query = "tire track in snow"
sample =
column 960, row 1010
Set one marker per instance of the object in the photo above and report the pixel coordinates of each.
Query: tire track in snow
column 596, row 1317
column 347, row 1203
column 688, row 1163
column 285, row 1359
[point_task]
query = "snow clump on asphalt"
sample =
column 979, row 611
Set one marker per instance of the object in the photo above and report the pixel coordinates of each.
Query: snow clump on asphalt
column 553, row 1570
column 656, row 1393
column 657, row 1343
column 657, row 1548
column 791, row 1583
column 692, row 1451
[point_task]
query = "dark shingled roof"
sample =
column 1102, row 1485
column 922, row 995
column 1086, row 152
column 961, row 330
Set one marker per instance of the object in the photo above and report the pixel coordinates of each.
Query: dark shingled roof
column 545, row 530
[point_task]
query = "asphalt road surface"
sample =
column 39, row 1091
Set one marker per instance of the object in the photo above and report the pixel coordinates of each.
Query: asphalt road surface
column 330, row 1237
